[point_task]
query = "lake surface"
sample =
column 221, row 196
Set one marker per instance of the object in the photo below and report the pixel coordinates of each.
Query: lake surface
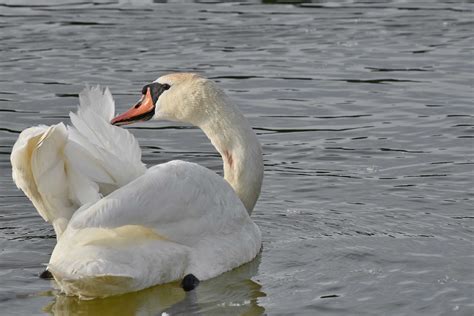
column 365, row 114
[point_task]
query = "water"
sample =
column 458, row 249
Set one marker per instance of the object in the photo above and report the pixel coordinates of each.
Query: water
column 364, row 111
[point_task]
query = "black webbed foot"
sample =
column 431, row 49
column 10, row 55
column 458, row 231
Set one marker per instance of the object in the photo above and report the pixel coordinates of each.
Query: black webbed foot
column 189, row 283
column 46, row 275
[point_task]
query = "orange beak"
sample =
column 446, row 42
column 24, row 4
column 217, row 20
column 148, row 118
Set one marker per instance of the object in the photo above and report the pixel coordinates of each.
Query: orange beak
column 142, row 111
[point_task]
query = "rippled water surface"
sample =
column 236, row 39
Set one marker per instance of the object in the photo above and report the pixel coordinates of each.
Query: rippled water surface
column 364, row 110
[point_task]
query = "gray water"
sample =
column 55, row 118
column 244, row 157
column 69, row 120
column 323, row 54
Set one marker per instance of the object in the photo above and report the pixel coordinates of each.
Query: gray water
column 364, row 110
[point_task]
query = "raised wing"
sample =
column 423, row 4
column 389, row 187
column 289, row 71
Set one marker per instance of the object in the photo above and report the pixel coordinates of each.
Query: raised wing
column 38, row 168
column 113, row 149
column 62, row 168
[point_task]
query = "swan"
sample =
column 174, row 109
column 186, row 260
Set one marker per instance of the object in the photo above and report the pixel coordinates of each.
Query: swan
column 121, row 227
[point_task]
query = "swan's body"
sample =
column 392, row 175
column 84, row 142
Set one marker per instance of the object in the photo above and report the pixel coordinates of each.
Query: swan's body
column 122, row 227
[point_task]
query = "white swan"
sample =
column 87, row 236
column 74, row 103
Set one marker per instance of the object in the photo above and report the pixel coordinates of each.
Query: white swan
column 122, row 227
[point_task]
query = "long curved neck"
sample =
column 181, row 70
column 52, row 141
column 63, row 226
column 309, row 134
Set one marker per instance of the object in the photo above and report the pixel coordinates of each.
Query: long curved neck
column 232, row 136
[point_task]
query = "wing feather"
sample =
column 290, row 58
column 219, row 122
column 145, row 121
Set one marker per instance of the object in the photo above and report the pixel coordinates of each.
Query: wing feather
column 114, row 148
column 38, row 169
column 62, row 168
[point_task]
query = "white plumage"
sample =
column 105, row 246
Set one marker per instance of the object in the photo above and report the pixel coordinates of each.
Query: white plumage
column 122, row 227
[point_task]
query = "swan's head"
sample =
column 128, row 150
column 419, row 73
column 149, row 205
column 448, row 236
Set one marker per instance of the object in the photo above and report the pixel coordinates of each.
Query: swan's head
column 176, row 97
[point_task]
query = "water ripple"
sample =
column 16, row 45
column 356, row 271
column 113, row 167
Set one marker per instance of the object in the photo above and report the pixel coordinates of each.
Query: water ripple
column 364, row 112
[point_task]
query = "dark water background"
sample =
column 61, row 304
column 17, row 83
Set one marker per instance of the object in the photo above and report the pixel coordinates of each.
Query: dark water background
column 365, row 113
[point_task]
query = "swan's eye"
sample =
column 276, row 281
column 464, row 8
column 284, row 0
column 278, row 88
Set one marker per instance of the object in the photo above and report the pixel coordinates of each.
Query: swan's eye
column 156, row 89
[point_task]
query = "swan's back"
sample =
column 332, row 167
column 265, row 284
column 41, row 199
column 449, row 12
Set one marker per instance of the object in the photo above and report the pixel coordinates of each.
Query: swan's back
column 176, row 219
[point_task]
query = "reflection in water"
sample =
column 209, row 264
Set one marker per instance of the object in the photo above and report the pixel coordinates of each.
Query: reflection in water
column 233, row 292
